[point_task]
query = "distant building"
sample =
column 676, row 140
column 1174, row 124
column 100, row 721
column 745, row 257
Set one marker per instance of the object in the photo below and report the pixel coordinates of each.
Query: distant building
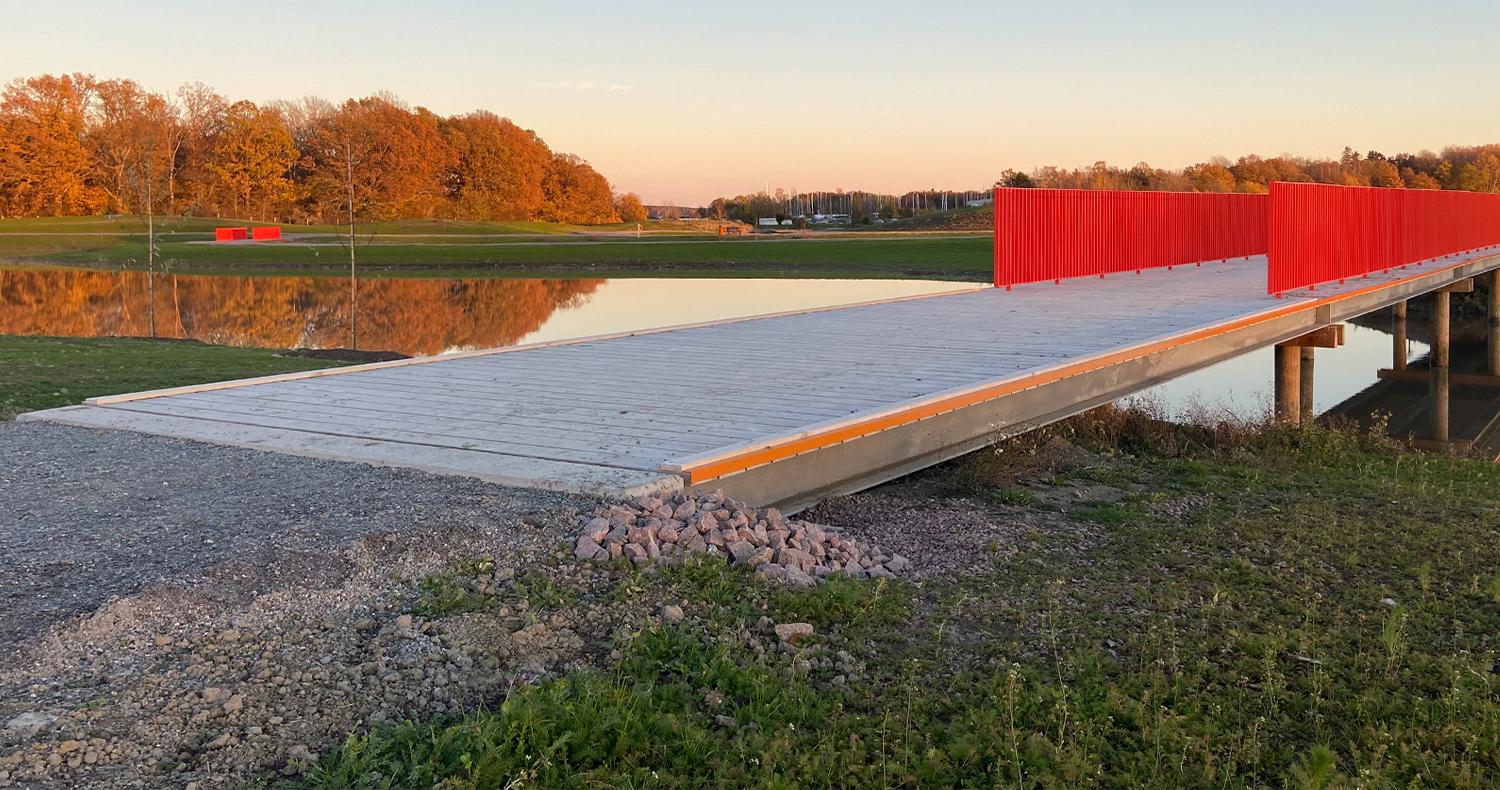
column 767, row 222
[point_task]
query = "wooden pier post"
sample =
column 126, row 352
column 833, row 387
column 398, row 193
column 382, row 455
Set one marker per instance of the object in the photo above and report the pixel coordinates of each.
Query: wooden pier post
column 1398, row 336
column 1305, row 378
column 1288, row 408
column 1439, row 366
column 1294, row 372
column 1494, row 338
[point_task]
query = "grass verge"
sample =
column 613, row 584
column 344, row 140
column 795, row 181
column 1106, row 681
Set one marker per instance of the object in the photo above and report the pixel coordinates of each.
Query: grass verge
column 1232, row 608
column 497, row 249
column 48, row 372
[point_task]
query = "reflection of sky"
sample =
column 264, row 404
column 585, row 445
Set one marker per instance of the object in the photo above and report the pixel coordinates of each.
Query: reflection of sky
column 1243, row 385
column 633, row 304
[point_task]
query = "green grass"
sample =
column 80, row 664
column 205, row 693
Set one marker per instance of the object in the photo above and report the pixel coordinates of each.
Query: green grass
column 1010, row 495
column 541, row 592
column 1112, row 513
column 416, row 248
column 1239, row 641
column 964, row 258
column 457, row 589
column 47, row 372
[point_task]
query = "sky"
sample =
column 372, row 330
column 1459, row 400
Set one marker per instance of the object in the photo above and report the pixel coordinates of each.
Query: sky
column 682, row 102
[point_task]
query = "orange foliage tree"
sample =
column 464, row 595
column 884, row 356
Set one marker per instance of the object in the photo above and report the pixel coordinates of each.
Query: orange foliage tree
column 250, row 158
column 497, row 169
column 74, row 144
column 44, row 165
column 630, row 208
column 572, row 191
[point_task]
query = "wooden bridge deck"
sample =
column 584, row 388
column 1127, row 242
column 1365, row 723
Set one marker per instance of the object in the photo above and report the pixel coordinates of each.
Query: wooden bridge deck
column 777, row 409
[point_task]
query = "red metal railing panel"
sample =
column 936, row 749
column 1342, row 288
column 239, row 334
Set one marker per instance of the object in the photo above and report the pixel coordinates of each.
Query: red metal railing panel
column 229, row 234
column 1052, row 234
column 271, row 233
column 1320, row 232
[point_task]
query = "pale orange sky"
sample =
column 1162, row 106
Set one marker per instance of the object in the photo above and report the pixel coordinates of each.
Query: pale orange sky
column 684, row 102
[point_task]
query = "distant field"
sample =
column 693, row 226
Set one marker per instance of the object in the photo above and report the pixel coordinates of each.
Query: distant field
column 510, row 249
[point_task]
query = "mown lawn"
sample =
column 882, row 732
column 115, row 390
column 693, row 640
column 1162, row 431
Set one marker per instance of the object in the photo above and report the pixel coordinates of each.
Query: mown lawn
column 47, row 372
column 418, row 248
column 1287, row 608
column 936, row 258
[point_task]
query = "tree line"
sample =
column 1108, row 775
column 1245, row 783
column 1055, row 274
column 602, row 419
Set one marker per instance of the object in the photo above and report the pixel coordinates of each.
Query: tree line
column 74, row 144
column 1469, row 168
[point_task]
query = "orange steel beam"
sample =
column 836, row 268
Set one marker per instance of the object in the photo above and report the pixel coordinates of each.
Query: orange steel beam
column 695, row 472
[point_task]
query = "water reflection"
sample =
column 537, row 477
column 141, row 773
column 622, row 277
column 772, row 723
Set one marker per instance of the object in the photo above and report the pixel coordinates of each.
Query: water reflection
column 1381, row 375
column 408, row 316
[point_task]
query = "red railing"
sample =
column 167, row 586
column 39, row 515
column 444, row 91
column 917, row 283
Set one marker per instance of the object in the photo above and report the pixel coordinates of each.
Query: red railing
column 1051, row 234
column 1320, row 233
column 266, row 233
column 229, row 234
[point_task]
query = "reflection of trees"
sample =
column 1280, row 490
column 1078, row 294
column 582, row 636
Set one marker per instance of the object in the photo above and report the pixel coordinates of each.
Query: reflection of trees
column 408, row 316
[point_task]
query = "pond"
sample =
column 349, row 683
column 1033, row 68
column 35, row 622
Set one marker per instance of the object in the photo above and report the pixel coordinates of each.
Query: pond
column 406, row 315
column 414, row 316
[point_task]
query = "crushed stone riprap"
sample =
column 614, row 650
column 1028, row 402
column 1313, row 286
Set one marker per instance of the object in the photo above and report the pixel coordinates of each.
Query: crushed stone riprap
column 784, row 549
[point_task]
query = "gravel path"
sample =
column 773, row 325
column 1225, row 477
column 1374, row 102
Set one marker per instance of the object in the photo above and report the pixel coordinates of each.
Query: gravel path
column 89, row 515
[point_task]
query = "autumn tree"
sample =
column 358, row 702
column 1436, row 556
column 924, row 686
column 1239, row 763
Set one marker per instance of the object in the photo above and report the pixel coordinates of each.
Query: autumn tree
column 575, row 192
column 250, row 158
column 201, row 117
column 44, row 164
column 497, row 167
column 396, row 158
column 630, row 208
column 1480, row 175
column 133, row 137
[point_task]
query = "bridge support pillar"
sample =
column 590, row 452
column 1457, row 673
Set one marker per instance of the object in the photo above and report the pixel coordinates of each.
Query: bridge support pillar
column 1305, row 380
column 1439, row 366
column 1494, row 336
column 1398, row 336
column 1294, row 372
column 1288, row 408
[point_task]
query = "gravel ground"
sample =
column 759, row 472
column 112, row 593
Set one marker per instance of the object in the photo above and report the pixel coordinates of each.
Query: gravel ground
column 176, row 614
column 89, row 515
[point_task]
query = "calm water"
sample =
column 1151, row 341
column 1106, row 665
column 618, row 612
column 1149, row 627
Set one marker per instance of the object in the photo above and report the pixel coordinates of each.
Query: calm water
column 430, row 316
column 409, row 316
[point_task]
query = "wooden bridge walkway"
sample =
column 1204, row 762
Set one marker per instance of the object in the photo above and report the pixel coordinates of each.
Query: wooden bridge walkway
column 779, row 409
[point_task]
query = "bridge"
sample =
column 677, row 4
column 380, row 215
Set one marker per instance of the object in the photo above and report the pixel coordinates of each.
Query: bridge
column 1101, row 295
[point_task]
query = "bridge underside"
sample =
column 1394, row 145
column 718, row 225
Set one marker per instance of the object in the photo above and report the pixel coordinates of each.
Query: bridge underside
column 783, row 409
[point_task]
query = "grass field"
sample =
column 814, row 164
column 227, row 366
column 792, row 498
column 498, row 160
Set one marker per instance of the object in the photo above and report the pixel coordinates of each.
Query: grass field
column 47, row 372
column 416, row 248
column 1277, row 608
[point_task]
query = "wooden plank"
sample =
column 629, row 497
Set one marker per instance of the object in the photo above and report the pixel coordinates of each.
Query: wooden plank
column 521, row 426
column 382, row 431
column 587, row 479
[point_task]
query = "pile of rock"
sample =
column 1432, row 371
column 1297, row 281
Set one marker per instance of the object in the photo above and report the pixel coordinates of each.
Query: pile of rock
column 791, row 550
